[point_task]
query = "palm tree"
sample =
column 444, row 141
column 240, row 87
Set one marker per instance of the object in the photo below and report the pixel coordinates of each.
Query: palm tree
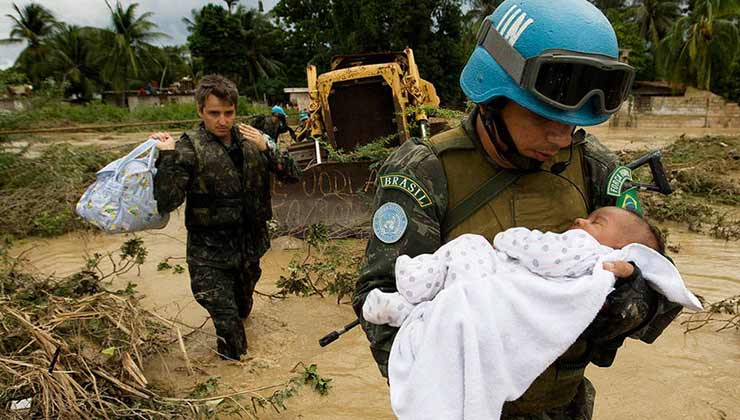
column 128, row 43
column 605, row 5
column 255, row 29
column 702, row 43
column 74, row 59
column 34, row 24
column 655, row 18
column 480, row 9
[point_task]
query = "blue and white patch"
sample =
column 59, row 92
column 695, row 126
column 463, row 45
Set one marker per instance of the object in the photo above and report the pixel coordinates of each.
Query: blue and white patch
column 390, row 222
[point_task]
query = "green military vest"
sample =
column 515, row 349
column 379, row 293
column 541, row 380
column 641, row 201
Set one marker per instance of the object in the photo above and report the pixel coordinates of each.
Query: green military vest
column 218, row 196
column 539, row 200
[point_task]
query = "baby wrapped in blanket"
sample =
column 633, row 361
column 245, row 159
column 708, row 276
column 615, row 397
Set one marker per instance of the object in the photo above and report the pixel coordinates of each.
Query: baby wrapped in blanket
column 479, row 324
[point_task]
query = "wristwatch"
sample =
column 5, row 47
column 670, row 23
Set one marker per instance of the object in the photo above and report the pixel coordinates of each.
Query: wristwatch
column 271, row 146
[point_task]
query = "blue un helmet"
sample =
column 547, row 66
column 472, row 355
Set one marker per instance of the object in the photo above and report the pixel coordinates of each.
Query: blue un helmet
column 302, row 116
column 557, row 59
column 278, row 110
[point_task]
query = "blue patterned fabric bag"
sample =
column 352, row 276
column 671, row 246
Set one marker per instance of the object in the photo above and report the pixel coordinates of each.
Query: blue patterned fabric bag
column 122, row 197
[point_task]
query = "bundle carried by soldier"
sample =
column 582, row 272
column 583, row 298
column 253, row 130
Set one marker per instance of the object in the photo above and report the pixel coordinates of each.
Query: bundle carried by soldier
column 479, row 324
column 122, row 197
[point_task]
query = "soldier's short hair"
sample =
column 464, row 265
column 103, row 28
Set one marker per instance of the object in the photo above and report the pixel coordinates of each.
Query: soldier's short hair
column 219, row 86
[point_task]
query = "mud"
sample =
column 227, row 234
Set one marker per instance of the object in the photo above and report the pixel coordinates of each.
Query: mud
column 616, row 138
column 634, row 139
column 692, row 376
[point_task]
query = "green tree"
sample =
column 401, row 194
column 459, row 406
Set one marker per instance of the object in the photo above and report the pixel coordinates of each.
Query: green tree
column 605, row 5
column 427, row 26
column 34, row 24
column 240, row 46
column 655, row 18
column 128, row 42
column 629, row 38
column 258, row 36
column 480, row 9
column 702, row 44
column 307, row 36
column 729, row 85
column 74, row 60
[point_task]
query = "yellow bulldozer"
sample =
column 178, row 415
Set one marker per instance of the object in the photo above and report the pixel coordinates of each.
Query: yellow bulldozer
column 364, row 97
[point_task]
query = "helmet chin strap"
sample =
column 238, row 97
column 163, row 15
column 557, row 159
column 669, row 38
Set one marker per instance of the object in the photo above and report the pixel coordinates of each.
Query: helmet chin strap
column 493, row 121
column 496, row 129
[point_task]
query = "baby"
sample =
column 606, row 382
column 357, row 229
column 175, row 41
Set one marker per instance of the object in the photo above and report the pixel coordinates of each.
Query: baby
column 570, row 254
column 478, row 323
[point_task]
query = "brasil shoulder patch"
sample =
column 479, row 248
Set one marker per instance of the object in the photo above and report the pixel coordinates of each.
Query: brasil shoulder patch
column 407, row 185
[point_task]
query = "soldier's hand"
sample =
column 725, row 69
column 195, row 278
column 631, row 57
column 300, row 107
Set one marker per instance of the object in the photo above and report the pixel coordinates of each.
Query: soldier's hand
column 255, row 136
column 621, row 269
column 166, row 142
column 629, row 305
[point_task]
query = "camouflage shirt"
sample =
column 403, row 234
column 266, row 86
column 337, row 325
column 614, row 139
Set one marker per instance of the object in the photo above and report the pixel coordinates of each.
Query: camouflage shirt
column 642, row 312
column 273, row 128
column 227, row 208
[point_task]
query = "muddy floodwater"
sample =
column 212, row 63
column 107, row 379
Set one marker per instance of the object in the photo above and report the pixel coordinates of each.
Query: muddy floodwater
column 680, row 376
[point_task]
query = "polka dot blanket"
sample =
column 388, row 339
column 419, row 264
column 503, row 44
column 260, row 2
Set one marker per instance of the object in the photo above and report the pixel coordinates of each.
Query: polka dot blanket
column 478, row 324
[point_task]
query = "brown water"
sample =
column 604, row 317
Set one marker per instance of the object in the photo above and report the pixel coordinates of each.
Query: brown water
column 616, row 138
column 694, row 376
column 680, row 376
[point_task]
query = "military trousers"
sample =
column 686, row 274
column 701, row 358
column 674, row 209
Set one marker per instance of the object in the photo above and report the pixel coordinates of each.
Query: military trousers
column 227, row 296
column 580, row 408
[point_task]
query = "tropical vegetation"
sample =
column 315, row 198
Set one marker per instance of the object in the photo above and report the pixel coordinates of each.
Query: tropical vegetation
column 695, row 42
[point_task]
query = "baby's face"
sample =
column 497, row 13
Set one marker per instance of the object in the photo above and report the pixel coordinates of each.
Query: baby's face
column 608, row 225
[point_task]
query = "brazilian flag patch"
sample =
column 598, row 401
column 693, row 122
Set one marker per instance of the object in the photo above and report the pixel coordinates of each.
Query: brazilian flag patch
column 628, row 200
column 407, row 185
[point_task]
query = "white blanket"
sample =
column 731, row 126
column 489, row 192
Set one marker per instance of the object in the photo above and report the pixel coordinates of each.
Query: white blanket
column 499, row 317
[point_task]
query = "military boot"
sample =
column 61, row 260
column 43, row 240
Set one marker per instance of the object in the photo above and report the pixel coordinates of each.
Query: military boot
column 231, row 346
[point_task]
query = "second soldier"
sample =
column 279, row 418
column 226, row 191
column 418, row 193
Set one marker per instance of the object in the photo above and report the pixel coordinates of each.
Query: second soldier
column 223, row 172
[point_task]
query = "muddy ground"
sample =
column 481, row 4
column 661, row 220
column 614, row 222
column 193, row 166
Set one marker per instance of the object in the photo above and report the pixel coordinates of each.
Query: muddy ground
column 616, row 138
column 681, row 376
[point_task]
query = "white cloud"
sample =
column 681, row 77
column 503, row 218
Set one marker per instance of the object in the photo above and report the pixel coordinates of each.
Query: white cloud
column 168, row 15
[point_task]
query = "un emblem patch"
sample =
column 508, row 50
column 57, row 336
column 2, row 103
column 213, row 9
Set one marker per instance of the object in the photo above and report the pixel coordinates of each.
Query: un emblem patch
column 389, row 222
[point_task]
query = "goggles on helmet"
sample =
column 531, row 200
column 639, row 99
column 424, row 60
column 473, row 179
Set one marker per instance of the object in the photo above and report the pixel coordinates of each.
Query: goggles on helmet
column 563, row 79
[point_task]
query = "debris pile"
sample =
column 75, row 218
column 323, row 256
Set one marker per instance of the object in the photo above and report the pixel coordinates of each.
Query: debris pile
column 70, row 347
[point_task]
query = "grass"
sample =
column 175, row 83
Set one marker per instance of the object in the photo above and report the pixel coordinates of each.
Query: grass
column 38, row 195
column 704, row 174
column 52, row 113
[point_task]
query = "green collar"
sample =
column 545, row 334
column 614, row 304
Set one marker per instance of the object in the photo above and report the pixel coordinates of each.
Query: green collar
column 519, row 161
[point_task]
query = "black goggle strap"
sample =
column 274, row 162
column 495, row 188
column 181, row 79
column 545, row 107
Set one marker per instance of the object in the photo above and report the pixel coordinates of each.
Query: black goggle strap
column 515, row 64
column 500, row 50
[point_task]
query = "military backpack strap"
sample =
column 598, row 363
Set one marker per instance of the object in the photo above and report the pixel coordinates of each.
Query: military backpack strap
column 458, row 140
column 477, row 199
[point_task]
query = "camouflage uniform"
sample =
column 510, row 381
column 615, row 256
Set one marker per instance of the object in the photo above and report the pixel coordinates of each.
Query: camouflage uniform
column 272, row 128
column 633, row 309
column 226, row 213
